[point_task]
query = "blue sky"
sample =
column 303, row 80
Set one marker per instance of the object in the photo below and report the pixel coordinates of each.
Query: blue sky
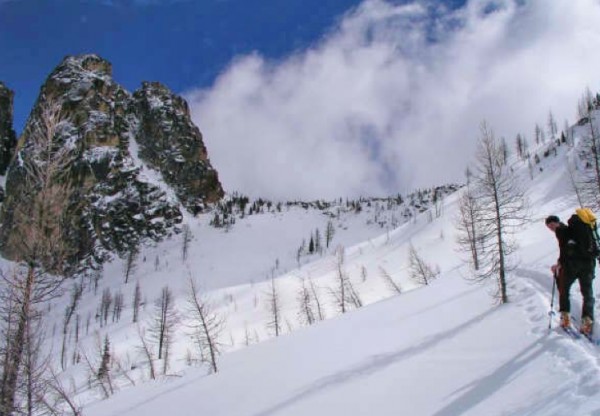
column 183, row 44
column 327, row 98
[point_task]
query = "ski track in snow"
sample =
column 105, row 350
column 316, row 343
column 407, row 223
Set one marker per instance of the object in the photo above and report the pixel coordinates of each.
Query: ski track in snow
column 577, row 356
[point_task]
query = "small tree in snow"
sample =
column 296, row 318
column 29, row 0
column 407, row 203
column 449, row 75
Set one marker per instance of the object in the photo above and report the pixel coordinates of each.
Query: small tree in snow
column 130, row 263
column 76, row 293
column 306, row 313
column 344, row 293
column 105, row 303
column 315, row 295
column 318, row 243
column 164, row 322
column 118, row 305
column 147, row 351
column 552, row 127
column 329, row 233
column 187, row 239
column 137, row 300
column 274, row 306
column 105, row 361
column 389, row 281
column 206, row 325
column 419, row 270
column 99, row 367
column 468, row 238
column 520, row 146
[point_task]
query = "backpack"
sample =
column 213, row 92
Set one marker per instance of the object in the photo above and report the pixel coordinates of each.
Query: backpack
column 583, row 235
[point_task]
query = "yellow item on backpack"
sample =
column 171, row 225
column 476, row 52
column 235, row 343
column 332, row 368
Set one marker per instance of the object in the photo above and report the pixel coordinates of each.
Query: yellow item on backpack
column 587, row 216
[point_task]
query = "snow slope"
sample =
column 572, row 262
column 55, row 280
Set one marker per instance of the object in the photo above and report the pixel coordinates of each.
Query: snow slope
column 442, row 349
column 437, row 351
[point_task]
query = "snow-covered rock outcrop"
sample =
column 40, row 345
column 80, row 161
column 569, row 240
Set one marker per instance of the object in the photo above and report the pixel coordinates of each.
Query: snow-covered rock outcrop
column 77, row 138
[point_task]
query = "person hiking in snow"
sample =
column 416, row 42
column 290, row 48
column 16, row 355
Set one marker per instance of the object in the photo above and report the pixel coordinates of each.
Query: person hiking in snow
column 572, row 265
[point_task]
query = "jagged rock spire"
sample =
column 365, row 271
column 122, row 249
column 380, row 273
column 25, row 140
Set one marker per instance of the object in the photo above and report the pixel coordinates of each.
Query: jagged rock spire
column 93, row 129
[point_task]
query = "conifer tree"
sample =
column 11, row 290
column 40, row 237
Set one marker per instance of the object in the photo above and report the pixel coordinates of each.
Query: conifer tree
column 318, row 248
column 130, row 263
column 329, row 233
column 105, row 362
column 519, row 146
column 552, row 127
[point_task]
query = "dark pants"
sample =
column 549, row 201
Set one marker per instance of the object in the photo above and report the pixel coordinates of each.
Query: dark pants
column 584, row 272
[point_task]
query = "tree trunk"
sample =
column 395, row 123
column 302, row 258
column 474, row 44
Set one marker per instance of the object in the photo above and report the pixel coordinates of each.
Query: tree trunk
column 500, row 242
column 16, row 347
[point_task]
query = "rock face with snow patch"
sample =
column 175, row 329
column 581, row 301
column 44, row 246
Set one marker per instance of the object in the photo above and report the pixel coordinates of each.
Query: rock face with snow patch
column 8, row 139
column 172, row 144
column 73, row 160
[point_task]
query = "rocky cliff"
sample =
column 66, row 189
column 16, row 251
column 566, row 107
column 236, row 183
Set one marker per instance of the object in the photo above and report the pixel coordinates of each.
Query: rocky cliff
column 172, row 144
column 75, row 180
column 8, row 138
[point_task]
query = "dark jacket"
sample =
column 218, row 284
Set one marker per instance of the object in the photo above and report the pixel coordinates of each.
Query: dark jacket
column 563, row 237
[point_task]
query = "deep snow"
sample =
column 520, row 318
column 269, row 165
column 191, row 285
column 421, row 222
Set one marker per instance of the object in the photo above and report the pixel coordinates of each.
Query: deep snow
column 441, row 349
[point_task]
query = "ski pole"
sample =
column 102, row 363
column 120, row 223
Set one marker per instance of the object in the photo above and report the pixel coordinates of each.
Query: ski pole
column 552, row 301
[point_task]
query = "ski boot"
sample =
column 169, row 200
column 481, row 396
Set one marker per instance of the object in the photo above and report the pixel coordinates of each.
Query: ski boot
column 587, row 324
column 565, row 320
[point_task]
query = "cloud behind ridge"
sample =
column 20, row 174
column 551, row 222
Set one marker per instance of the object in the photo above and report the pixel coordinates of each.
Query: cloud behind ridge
column 392, row 98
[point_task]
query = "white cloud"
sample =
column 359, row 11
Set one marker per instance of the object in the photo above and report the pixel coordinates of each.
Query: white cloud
column 393, row 97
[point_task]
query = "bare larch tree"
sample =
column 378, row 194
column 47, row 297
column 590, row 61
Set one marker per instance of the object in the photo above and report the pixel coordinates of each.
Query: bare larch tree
column 164, row 323
column 76, row 292
column 344, row 293
column 420, row 271
column 389, row 281
column 205, row 323
column 314, row 290
column 467, row 236
column 306, row 314
column 274, row 307
column 503, row 209
column 37, row 237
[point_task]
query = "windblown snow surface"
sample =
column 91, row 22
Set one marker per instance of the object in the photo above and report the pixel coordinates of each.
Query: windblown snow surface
column 442, row 349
